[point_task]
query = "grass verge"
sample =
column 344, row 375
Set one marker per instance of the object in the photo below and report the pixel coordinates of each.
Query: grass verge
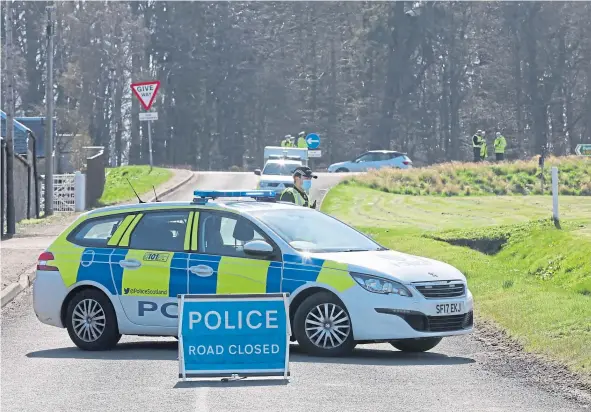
column 117, row 188
column 469, row 179
column 535, row 284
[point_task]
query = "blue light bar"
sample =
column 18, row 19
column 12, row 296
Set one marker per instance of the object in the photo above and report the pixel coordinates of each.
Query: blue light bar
column 213, row 194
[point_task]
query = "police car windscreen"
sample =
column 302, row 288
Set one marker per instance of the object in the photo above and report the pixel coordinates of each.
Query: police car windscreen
column 282, row 169
column 308, row 230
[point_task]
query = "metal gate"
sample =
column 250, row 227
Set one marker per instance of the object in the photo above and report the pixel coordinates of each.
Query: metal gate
column 64, row 193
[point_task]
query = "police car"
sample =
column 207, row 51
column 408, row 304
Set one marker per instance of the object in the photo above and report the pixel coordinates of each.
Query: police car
column 118, row 270
column 277, row 174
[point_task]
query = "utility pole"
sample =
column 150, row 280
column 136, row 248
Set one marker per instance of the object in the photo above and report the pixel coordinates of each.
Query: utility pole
column 10, row 216
column 49, row 116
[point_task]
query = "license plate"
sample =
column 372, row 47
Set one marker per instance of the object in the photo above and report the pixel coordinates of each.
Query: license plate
column 449, row 308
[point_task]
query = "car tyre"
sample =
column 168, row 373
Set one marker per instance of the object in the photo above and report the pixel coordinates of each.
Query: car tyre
column 342, row 170
column 416, row 345
column 102, row 333
column 312, row 312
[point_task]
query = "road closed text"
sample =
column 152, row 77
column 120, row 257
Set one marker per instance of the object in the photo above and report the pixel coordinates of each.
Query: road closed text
column 252, row 319
column 247, row 349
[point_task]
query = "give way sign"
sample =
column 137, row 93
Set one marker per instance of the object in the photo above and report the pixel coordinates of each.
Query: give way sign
column 146, row 92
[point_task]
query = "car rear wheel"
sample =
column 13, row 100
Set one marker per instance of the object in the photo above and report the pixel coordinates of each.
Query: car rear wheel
column 91, row 321
column 416, row 345
column 342, row 170
column 322, row 326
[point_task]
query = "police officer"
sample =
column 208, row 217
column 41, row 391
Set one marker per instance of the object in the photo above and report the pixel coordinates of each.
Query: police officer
column 477, row 143
column 500, row 144
column 298, row 194
column 483, row 151
column 286, row 142
column 302, row 141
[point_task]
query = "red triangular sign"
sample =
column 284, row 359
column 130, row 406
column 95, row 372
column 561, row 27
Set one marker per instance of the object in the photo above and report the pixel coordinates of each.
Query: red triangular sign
column 146, row 92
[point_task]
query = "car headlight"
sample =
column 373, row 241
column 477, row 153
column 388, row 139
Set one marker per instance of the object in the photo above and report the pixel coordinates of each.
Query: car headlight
column 262, row 184
column 383, row 286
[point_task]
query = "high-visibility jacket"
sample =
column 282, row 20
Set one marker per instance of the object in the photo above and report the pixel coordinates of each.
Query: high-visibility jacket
column 284, row 143
column 477, row 140
column 302, row 143
column 291, row 194
column 483, row 151
column 500, row 144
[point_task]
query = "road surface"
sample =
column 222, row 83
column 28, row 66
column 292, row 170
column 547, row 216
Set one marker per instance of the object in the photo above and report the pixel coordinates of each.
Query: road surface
column 43, row 371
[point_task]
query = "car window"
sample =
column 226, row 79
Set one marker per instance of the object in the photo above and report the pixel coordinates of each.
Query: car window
column 393, row 155
column 279, row 169
column 226, row 235
column 368, row 157
column 160, row 231
column 308, row 230
column 96, row 232
column 382, row 156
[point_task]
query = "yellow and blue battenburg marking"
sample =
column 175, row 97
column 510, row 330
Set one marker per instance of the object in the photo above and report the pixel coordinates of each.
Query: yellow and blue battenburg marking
column 298, row 270
column 167, row 274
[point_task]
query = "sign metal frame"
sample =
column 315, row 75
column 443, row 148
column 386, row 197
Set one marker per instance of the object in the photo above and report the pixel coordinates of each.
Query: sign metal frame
column 237, row 374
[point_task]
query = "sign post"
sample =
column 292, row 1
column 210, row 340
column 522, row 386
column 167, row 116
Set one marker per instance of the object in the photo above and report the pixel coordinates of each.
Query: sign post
column 583, row 149
column 234, row 336
column 146, row 93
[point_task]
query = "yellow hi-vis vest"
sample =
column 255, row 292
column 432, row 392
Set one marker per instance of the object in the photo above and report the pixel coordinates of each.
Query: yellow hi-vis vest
column 500, row 144
column 298, row 198
column 477, row 140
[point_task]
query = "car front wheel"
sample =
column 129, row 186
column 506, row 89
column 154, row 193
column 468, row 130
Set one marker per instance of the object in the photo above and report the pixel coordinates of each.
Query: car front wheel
column 342, row 170
column 416, row 345
column 91, row 321
column 322, row 326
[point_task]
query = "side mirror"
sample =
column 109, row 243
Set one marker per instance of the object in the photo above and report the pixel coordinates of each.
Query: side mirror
column 257, row 172
column 258, row 248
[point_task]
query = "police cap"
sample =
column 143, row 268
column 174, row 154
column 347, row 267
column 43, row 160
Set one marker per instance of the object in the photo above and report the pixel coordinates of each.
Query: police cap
column 304, row 171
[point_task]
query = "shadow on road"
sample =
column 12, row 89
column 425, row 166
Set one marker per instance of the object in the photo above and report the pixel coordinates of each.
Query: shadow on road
column 161, row 350
column 165, row 350
column 230, row 384
column 383, row 357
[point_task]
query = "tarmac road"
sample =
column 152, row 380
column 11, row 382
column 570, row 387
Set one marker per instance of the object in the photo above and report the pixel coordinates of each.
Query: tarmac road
column 42, row 370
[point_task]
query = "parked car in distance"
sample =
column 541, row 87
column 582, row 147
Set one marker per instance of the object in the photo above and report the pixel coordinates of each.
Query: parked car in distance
column 373, row 159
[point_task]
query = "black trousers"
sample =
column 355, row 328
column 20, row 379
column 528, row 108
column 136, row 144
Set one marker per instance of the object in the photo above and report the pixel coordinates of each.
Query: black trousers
column 500, row 156
column 477, row 154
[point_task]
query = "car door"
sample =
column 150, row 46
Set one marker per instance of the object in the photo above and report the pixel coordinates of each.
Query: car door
column 89, row 259
column 383, row 160
column 219, row 265
column 150, row 264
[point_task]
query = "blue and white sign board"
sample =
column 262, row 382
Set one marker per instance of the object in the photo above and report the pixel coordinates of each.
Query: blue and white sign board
column 313, row 141
column 234, row 335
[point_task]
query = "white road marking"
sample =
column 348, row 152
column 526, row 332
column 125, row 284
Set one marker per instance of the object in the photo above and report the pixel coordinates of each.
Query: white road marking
column 201, row 400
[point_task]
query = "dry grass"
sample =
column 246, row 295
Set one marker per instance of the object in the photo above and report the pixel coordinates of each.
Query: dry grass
column 469, row 179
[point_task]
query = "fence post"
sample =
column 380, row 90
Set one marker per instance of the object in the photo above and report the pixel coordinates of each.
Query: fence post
column 555, row 194
column 79, row 191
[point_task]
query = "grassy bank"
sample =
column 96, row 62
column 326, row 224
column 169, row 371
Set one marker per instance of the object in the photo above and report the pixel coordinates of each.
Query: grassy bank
column 117, row 188
column 469, row 179
column 532, row 279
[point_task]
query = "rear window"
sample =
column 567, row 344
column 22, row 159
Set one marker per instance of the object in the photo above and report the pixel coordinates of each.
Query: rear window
column 394, row 155
column 96, row 232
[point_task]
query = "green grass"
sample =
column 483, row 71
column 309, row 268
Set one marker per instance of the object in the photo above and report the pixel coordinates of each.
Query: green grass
column 472, row 179
column 537, row 287
column 117, row 188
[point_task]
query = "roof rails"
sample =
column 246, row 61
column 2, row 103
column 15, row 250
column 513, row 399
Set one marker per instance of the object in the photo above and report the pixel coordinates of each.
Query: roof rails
column 202, row 196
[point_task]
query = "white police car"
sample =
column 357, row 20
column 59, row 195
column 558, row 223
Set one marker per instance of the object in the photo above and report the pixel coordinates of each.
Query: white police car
column 277, row 174
column 118, row 270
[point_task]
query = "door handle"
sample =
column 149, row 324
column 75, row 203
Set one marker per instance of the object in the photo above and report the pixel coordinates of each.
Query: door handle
column 201, row 270
column 130, row 263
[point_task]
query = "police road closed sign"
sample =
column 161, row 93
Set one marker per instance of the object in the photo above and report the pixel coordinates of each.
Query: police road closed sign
column 227, row 335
